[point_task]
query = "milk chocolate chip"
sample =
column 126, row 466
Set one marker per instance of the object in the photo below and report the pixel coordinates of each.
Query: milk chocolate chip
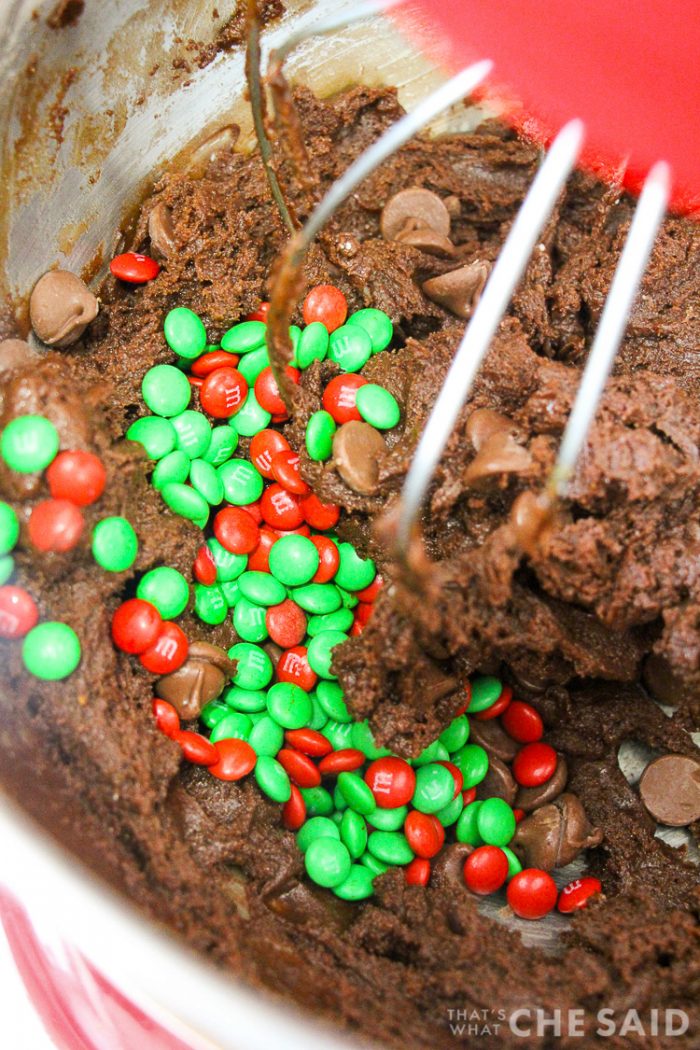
column 356, row 450
column 201, row 678
column 448, row 867
column 555, row 834
column 414, row 206
column 499, row 782
column 493, row 738
column 500, row 454
column 161, row 230
column 61, row 307
column 459, row 290
column 533, row 797
column 531, row 519
column 483, row 423
column 429, row 241
column 670, row 790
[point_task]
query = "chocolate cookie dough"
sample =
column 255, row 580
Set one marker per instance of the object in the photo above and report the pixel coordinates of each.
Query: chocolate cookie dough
column 609, row 585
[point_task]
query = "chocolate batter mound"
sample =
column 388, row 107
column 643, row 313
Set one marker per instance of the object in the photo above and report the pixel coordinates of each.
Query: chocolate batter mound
column 611, row 586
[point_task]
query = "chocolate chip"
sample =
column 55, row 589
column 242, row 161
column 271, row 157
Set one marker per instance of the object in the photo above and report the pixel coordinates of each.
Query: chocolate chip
column 500, row 454
column 357, row 448
column 483, row 423
column 300, row 904
column 161, row 230
column 459, row 290
column 220, row 141
column 423, row 207
column 61, row 307
column 555, row 834
column 212, row 654
column 493, row 738
column 531, row 520
column 427, row 240
column 529, row 798
column 453, row 205
column 670, row 790
column 448, row 868
column 201, row 678
column 499, row 782
column 15, row 353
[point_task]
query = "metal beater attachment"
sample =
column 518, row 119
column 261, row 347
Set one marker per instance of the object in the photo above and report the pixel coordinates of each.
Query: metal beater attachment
column 507, row 271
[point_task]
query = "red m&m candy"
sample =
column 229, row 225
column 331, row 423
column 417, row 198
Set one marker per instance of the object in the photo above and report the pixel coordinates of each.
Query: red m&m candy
column 340, row 397
column 485, row 870
column 264, row 446
column 135, row 626
column 281, row 509
column 204, row 567
column 267, row 391
column 167, row 718
column 294, row 810
column 196, row 748
column 531, row 893
column 260, row 314
column 321, row 516
column 259, row 560
column 235, row 759
column 223, row 392
column 522, row 722
column 285, row 471
column 134, row 267
column 534, row 764
column 418, row 872
column 236, row 530
column 425, row 833
column 498, row 707
column 208, row 363
column 328, row 559
column 327, row 304
column 293, row 666
column 299, row 768
column 76, row 476
column 168, row 652
column 286, row 624
column 18, row 612
column 343, row 761
column 392, row 782
column 309, row 741
column 578, row 893
column 457, row 774
column 55, row 525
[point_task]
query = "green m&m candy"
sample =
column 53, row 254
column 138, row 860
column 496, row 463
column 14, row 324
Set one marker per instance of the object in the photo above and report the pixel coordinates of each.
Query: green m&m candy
column 320, row 652
column 318, row 801
column 166, row 390
column 249, row 621
column 193, row 431
column 251, row 365
column 289, row 705
column 114, row 544
column 377, row 406
column 51, row 651
column 434, row 789
column 9, row 528
column 391, row 847
column 353, row 832
column 330, row 697
column 261, row 588
column 467, row 825
column 473, row 763
column 206, row 481
column 167, row 589
column 354, row 573
column 251, row 417
column 156, row 435
column 185, row 333
column 272, row 779
column 376, row 324
column 514, row 865
column 350, row 347
column 29, row 444
column 356, row 793
column 312, row 345
column 223, row 443
column 267, row 737
column 229, row 566
column 293, row 560
column 485, row 691
column 254, row 669
column 340, row 620
column 389, row 819
column 327, row 862
column 495, row 822
column 171, row 469
column 183, row 500
column 456, row 734
column 316, row 828
column 319, row 435
column 376, row 867
column 7, row 567
column 246, row 700
column 233, row 726
column 338, row 734
column 209, row 604
column 357, row 886
column 243, row 484
column 317, row 598
column 244, row 337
